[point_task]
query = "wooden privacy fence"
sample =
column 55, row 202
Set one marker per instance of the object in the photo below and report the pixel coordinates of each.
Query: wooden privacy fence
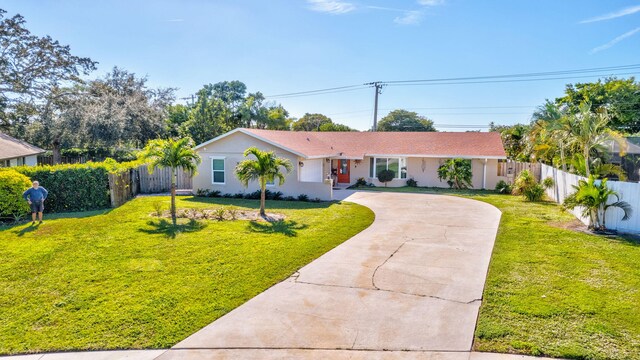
column 160, row 180
column 511, row 168
column 125, row 185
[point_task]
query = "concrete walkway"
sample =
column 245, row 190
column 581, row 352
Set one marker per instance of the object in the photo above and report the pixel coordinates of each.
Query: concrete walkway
column 408, row 287
column 411, row 282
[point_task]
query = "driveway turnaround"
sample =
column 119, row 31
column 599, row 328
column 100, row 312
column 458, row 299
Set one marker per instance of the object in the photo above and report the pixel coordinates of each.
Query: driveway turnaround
column 407, row 287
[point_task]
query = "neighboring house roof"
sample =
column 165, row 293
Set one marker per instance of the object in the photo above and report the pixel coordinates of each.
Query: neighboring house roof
column 356, row 145
column 632, row 148
column 11, row 148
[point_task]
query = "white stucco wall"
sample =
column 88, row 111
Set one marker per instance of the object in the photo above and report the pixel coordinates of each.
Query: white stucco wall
column 31, row 160
column 232, row 147
column 425, row 172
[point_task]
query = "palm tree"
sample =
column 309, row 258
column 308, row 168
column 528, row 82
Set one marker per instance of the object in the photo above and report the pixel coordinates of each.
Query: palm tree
column 552, row 126
column 266, row 167
column 171, row 154
column 590, row 132
column 593, row 196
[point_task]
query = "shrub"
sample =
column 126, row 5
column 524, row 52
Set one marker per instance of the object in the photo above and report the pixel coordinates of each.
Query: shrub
column 203, row 192
column 457, row 173
column 503, row 187
column 361, row 182
column 385, row 176
column 157, row 206
column 238, row 195
column 227, row 196
column 289, row 198
column 412, row 183
column 253, row 195
column 76, row 187
column 547, row 183
column 527, row 186
column 303, row 197
column 219, row 213
column 233, row 213
column 12, row 185
column 277, row 195
column 315, row 200
column 214, row 193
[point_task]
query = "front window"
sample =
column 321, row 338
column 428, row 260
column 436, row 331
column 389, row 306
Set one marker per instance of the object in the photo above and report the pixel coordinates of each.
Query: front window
column 397, row 165
column 217, row 168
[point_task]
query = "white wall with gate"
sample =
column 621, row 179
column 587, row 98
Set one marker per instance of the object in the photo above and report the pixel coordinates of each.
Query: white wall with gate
column 628, row 191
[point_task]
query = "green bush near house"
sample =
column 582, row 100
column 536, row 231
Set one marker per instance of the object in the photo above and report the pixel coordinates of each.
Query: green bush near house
column 384, row 176
column 457, row 173
column 527, row 186
column 12, row 185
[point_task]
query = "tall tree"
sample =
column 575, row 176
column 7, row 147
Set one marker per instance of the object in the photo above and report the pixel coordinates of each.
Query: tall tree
column 172, row 154
column 266, row 167
column 514, row 140
column 310, row 122
column 403, row 120
column 117, row 110
column 31, row 68
column 335, row 127
column 590, row 132
column 620, row 97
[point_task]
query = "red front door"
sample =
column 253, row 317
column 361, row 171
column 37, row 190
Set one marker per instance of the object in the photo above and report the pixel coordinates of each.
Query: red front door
column 343, row 171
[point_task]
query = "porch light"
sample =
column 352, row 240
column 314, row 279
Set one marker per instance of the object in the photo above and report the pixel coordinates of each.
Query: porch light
column 300, row 163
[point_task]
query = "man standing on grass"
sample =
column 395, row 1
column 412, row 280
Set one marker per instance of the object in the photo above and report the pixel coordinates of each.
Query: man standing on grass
column 35, row 196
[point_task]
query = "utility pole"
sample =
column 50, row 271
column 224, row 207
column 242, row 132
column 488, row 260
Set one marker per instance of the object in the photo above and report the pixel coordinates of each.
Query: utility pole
column 378, row 87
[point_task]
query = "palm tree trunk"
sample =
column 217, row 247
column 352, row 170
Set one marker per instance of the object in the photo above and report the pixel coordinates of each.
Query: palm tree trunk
column 564, row 165
column 586, row 160
column 263, row 188
column 173, row 196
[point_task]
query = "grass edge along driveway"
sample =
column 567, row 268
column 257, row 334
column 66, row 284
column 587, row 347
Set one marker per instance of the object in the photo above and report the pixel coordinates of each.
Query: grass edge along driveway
column 121, row 279
column 554, row 291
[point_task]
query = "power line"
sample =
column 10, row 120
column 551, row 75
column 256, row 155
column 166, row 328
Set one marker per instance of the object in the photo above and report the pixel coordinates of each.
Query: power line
column 509, row 81
column 313, row 92
column 471, row 80
column 536, row 74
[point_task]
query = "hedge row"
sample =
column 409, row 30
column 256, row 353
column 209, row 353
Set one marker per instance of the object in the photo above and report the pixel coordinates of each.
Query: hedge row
column 12, row 185
column 76, row 187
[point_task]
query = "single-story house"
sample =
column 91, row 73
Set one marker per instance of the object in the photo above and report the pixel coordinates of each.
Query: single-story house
column 14, row 152
column 323, row 160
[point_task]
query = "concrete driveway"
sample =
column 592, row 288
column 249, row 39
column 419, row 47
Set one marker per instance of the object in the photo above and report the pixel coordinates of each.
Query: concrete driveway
column 409, row 286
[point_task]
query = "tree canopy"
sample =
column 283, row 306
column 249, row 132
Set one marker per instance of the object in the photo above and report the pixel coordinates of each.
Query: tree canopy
column 31, row 68
column 403, row 120
column 317, row 122
column 619, row 97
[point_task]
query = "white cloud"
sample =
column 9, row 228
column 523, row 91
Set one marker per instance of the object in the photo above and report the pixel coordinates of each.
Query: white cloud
column 372, row 7
column 412, row 17
column 613, row 15
column 430, row 2
column 331, row 6
column 616, row 40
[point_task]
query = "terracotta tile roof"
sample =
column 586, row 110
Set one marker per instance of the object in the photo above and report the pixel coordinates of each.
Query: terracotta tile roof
column 358, row 144
column 13, row 148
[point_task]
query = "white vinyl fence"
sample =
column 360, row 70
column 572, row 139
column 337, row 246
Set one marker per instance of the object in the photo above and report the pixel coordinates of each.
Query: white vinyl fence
column 628, row 191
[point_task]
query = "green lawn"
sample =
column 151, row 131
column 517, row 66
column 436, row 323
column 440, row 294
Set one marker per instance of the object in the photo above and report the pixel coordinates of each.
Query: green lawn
column 123, row 279
column 556, row 292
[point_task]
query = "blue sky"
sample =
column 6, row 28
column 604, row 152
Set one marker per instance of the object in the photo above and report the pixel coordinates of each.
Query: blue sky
column 282, row 46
